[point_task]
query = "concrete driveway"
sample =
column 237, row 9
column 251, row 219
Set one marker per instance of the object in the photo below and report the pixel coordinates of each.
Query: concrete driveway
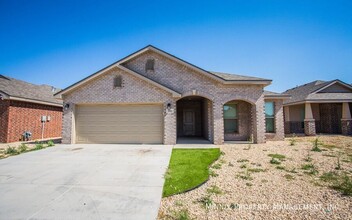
column 84, row 182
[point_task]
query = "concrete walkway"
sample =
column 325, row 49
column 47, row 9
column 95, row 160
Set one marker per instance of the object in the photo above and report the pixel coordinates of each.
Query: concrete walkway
column 84, row 182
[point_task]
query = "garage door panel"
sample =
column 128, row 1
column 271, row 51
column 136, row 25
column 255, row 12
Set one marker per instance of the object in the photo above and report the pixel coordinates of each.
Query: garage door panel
column 119, row 124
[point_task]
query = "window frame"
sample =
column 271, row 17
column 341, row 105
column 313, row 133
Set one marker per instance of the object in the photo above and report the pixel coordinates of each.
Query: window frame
column 235, row 118
column 272, row 117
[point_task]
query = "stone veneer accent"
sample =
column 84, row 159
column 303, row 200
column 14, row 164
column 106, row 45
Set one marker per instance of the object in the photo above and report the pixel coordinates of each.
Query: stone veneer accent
column 309, row 127
column 174, row 76
column 346, row 126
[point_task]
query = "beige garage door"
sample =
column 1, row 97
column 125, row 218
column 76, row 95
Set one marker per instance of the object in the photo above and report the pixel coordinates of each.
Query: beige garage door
column 134, row 124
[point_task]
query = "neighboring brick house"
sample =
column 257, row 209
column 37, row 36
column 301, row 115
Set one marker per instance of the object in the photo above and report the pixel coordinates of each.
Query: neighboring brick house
column 151, row 96
column 22, row 107
column 319, row 107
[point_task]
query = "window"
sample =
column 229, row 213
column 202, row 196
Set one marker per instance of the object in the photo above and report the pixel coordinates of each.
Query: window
column 149, row 66
column 230, row 118
column 270, row 117
column 117, row 81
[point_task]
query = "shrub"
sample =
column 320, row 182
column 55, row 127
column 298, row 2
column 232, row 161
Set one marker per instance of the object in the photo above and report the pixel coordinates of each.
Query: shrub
column 242, row 160
column 277, row 156
column 308, row 158
column 256, row 170
column 50, row 143
column 216, row 166
column 289, row 177
column 181, row 215
column 329, row 177
column 212, row 173
column 206, row 201
column 22, row 148
column 307, row 166
column 338, row 165
column 316, row 145
column 38, row 146
column 243, row 166
column 11, row 150
column 344, row 185
column 214, row 190
column 310, row 169
column 293, row 140
column 246, row 176
column 280, row 167
column 275, row 161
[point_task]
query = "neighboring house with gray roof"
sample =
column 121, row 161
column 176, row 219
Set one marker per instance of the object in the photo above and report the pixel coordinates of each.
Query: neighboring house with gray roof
column 319, row 107
column 22, row 107
column 152, row 96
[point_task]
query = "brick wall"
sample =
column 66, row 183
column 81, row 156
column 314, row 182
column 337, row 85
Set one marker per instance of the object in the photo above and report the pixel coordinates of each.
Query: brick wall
column 244, row 123
column 279, row 133
column 25, row 116
column 4, row 113
column 177, row 77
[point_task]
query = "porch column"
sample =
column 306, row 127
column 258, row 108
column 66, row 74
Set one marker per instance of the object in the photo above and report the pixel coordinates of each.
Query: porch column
column 218, row 120
column 68, row 124
column 309, row 121
column 346, row 120
column 170, row 122
column 258, row 121
column 287, row 120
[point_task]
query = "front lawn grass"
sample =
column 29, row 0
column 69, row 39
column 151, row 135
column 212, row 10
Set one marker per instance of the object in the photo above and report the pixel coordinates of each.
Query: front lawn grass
column 188, row 169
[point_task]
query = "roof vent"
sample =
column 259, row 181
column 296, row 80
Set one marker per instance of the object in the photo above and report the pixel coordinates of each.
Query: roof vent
column 118, row 82
column 149, row 65
column 53, row 89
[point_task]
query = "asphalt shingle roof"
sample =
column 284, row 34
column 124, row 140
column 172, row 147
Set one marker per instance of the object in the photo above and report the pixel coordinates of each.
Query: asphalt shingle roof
column 270, row 93
column 230, row 76
column 18, row 88
column 306, row 92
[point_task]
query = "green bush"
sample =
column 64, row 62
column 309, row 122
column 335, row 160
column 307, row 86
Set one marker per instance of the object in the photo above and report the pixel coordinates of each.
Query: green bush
column 316, row 145
column 344, row 185
column 181, row 215
column 22, row 148
column 275, row 161
column 293, row 140
column 214, row 190
column 38, row 146
column 11, row 150
column 277, row 156
column 50, row 143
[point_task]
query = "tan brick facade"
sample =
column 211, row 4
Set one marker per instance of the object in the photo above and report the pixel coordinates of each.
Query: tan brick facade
column 181, row 79
column 279, row 121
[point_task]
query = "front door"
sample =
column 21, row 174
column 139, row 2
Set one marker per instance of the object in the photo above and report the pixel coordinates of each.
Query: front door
column 188, row 122
column 330, row 118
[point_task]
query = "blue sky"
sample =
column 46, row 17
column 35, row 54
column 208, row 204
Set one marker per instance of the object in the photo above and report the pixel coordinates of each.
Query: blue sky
column 292, row 42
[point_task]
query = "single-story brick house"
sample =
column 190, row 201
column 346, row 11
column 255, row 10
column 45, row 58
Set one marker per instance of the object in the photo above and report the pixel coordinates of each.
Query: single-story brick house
column 25, row 107
column 319, row 107
column 154, row 97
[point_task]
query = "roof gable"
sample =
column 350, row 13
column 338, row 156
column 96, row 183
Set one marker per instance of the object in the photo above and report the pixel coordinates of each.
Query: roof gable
column 335, row 87
column 120, row 63
column 319, row 90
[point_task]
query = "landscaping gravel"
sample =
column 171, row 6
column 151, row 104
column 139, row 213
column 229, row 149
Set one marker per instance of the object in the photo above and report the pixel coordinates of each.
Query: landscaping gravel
column 258, row 189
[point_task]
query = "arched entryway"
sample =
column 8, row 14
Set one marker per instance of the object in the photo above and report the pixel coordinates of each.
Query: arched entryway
column 238, row 120
column 194, row 120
